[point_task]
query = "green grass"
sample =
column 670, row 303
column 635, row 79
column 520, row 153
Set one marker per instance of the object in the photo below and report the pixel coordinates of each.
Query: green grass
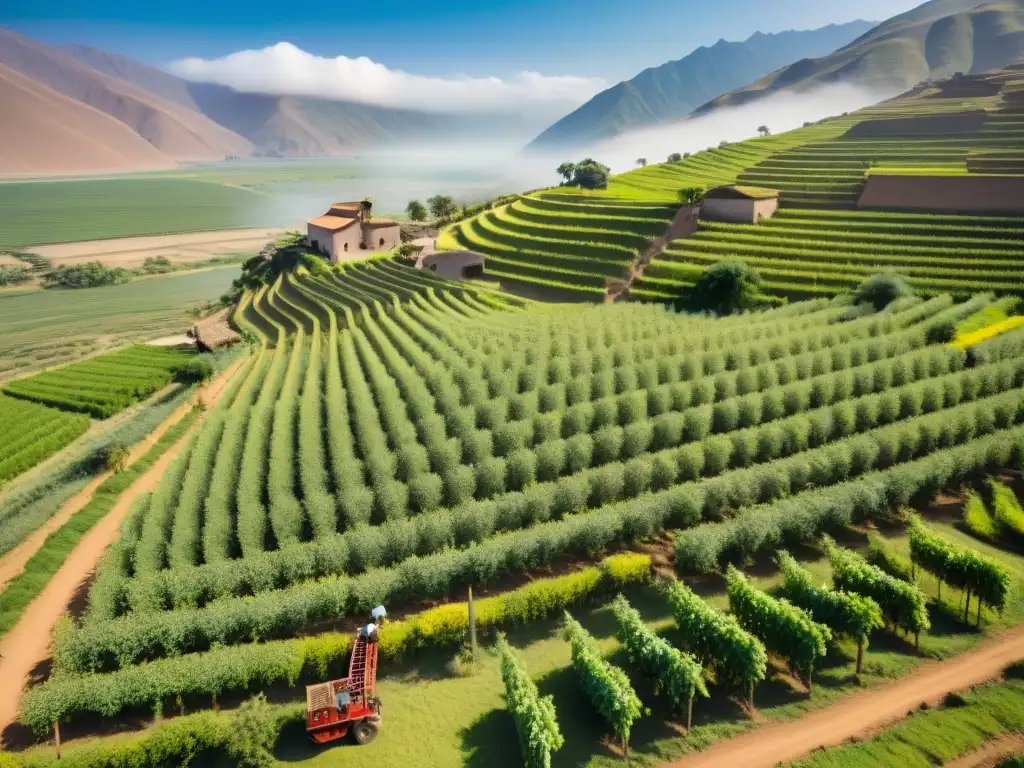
column 33, row 213
column 47, row 560
column 935, row 737
column 103, row 385
column 47, row 328
column 468, row 723
column 31, row 433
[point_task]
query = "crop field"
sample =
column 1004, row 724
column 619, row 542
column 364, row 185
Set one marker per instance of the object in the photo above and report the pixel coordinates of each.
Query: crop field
column 404, row 437
column 802, row 253
column 105, row 384
column 570, row 244
column 54, row 327
column 30, row 433
column 34, row 213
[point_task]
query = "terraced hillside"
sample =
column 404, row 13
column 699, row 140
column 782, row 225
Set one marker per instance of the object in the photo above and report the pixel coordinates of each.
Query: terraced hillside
column 571, row 242
column 814, row 252
column 442, row 440
column 564, row 245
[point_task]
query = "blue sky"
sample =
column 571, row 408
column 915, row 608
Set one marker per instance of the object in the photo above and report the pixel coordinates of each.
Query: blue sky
column 610, row 39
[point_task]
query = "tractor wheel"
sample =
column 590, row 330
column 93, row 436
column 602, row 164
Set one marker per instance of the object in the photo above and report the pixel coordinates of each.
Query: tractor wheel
column 364, row 732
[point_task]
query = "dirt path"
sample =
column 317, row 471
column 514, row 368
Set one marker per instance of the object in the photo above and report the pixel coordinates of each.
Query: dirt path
column 28, row 644
column 862, row 712
column 133, row 251
column 684, row 224
column 13, row 562
column 990, row 754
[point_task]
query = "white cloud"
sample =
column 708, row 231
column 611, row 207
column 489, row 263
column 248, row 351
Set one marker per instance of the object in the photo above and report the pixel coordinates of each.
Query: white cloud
column 284, row 69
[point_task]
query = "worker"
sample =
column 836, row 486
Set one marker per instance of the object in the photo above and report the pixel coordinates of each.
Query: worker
column 371, row 632
column 379, row 614
column 341, row 700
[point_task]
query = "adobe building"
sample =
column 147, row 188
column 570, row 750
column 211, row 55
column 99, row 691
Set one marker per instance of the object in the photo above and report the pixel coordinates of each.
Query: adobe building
column 348, row 232
column 454, row 265
column 742, row 205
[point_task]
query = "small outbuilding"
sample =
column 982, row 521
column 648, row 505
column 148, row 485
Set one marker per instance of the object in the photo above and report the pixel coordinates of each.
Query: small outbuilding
column 348, row 232
column 739, row 204
column 454, row 265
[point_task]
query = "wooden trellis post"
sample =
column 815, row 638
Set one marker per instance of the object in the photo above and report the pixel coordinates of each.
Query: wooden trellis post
column 472, row 625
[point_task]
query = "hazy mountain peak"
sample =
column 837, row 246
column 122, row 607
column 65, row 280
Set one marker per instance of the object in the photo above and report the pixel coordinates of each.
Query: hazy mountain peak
column 676, row 88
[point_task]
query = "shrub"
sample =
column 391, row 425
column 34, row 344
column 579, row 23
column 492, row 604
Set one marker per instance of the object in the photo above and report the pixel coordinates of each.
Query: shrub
column 1007, row 511
column 195, row 371
column 882, row 290
column 253, row 734
column 726, row 288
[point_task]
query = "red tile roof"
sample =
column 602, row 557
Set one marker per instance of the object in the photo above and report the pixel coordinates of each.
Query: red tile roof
column 332, row 223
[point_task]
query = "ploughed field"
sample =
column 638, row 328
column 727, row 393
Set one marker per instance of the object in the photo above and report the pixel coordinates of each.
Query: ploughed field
column 806, row 252
column 402, row 437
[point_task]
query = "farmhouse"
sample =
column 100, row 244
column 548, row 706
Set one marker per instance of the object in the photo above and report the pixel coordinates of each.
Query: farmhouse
column 739, row 204
column 347, row 231
column 454, row 265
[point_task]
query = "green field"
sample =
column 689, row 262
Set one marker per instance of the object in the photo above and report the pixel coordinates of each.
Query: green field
column 105, row 384
column 33, row 213
column 401, row 437
column 47, row 328
column 30, row 433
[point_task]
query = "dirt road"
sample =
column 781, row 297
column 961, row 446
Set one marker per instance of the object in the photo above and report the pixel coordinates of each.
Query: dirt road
column 133, row 251
column 863, row 712
column 27, row 644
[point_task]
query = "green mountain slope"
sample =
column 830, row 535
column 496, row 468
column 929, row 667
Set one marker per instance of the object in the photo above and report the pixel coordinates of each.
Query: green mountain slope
column 676, row 88
column 935, row 40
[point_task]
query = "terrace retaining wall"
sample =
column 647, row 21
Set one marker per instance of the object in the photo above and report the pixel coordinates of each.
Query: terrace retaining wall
column 997, row 195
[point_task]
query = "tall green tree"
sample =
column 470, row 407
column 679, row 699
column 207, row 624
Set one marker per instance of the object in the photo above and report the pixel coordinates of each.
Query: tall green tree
column 416, row 210
column 566, row 171
column 441, row 206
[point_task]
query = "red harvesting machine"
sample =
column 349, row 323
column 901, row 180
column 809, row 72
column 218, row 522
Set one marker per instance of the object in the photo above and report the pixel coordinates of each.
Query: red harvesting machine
column 335, row 708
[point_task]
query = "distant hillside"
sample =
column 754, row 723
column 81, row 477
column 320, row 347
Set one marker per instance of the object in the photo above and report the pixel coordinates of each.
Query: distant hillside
column 290, row 126
column 154, row 80
column 178, row 132
column 677, row 88
column 934, row 40
column 45, row 132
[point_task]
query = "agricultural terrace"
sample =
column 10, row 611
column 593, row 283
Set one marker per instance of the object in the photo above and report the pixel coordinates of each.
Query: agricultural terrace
column 801, row 253
column 564, row 245
column 437, row 437
column 105, row 384
column 30, row 433
column 817, row 245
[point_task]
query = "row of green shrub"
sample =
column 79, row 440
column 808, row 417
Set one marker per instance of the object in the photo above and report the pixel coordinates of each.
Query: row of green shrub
column 244, row 667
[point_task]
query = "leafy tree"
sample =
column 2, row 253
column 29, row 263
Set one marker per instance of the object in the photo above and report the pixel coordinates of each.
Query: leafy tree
column 687, row 154
column 116, row 460
column 13, row 275
column 882, row 290
column 764, row 130
column 590, row 174
column 196, row 370
column 416, row 210
column 725, row 288
column 675, row 157
column 691, row 195
column 722, row 144
column 441, row 206
column 566, row 171
column 253, row 733
column 641, row 161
